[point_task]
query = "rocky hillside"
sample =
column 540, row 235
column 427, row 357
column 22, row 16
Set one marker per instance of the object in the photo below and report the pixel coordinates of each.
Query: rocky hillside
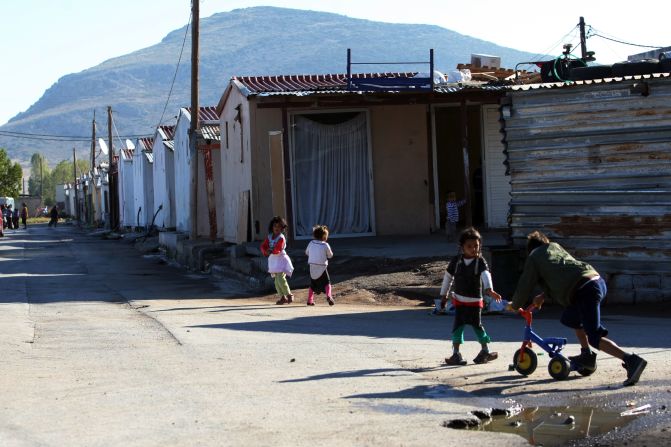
column 250, row 41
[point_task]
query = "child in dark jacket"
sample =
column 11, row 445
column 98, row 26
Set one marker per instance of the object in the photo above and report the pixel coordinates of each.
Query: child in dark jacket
column 464, row 279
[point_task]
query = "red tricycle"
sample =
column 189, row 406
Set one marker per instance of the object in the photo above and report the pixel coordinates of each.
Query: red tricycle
column 525, row 359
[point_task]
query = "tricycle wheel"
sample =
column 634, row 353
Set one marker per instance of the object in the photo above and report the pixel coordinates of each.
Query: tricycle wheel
column 559, row 368
column 527, row 364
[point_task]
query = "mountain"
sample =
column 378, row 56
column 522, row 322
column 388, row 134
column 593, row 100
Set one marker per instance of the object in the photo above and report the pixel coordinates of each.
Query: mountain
column 249, row 41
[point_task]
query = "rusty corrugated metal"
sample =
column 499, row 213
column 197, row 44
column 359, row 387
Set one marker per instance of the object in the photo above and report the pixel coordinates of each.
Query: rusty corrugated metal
column 590, row 165
column 209, row 188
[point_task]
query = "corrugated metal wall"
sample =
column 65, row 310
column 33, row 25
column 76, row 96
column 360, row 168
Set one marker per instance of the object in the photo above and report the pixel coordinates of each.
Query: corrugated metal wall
column 590, row 166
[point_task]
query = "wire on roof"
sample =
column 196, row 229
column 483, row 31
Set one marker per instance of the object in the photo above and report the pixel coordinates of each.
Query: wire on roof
column 122, row 144
column 558, row 43
column 592, row 33
column 174, row 77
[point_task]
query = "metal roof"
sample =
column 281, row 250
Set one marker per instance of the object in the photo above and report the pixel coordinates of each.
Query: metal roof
column 211, row 132
column 127, row 154
column 147, row 143
column 337, row 84
column 303, row 83
column 206, row 114
column 167, row 132
column 569, row 84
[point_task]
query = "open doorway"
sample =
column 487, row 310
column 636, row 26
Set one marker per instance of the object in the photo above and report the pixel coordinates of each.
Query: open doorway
column 331, row 173
column 451, row 170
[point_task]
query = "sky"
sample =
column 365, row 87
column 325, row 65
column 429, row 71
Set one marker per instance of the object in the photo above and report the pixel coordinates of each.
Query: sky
column 43, row 40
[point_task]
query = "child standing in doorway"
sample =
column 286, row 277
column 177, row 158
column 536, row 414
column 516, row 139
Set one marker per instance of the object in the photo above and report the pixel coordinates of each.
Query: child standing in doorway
column 279, row 263
column 319, row 252
column 465, row 277
column 452, row 219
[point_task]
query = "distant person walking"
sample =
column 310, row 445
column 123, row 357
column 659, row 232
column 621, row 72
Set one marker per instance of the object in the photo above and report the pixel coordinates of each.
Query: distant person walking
column 319, row 252
column 279, row 263
column 8, row 217
column 24, row 216
column 54, row 216
column 15, row 218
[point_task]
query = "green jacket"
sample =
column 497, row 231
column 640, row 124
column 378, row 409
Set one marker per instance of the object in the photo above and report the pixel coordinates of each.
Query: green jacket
column 555, row 270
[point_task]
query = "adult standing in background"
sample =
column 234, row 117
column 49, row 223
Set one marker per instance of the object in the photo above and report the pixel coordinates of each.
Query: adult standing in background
column 24, row 215
column 54, row 216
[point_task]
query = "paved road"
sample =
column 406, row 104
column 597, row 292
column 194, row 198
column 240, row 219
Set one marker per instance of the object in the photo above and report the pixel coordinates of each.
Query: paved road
column 100, row 346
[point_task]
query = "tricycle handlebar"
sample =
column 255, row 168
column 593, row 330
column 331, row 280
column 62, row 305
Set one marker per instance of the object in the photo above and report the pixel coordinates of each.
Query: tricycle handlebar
column 527, row 313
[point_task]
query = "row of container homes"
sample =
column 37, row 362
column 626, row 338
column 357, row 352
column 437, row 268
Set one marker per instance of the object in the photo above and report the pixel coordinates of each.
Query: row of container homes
column 89, row 196
column 371, row 154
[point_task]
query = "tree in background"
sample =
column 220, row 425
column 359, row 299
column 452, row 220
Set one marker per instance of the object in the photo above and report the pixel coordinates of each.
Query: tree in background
column 39, row 172
column 10, row 176
column 62, row 174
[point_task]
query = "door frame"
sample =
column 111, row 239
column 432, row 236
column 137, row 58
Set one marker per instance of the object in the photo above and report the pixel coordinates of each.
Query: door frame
column 292, row 148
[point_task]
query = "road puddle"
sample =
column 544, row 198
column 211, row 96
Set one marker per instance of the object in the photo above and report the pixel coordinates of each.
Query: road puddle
column 551, row 426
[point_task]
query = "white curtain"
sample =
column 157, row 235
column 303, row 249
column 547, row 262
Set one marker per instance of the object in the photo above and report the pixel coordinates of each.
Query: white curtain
column 330, row 173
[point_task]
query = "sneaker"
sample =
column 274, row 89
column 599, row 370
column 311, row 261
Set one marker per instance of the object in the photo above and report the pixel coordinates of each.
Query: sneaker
column 585, row 360
column 290, row 298
column 634, row 366
column 282, row 300
column 435, row 312
column 456, row 359
column 330, row 301
column 485, row 357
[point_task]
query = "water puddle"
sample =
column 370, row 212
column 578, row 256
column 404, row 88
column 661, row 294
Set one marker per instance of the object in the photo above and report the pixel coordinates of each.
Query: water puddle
column 551, row 426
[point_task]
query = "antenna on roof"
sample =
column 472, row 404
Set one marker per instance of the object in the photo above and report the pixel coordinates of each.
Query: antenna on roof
column 103, row 146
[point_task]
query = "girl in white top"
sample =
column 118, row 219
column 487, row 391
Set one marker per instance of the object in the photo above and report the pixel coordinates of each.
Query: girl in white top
column 319, row 252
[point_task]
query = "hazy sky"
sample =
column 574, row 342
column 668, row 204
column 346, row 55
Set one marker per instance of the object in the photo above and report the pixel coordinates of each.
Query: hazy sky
column 43, row 40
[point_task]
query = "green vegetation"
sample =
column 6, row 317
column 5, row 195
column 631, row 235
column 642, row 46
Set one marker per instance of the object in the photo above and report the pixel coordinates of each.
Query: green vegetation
column 10, row 176
column 43, row 180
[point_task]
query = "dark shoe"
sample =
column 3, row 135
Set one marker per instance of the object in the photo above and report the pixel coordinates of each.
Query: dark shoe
column 485, row 357
column 330, row 301
column 456, row 359
column 290, row 299
column 282, row 300
column 585, row 360
column 311, row 303
column 634, row 366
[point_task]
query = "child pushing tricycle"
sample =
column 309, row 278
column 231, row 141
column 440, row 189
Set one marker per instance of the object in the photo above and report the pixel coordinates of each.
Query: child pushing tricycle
column 578, row 287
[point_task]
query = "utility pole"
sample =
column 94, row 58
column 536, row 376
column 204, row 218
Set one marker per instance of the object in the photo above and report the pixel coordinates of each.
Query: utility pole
column 41, row 178
column 111, row 183
column 195, row 122
column 74, row 176
column 93, row 141
column 583, row 40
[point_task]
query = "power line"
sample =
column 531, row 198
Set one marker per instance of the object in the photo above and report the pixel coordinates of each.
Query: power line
column 172, row 85
column 52, row 137
column 592, row 33
column 539, row 56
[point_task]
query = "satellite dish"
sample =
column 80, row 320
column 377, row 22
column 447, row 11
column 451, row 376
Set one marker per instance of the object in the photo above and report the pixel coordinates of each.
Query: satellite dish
column 103, row 146
column 129, row 144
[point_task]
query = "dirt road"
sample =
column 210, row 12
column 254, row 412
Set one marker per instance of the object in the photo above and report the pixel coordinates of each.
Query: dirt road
column 101, row 346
